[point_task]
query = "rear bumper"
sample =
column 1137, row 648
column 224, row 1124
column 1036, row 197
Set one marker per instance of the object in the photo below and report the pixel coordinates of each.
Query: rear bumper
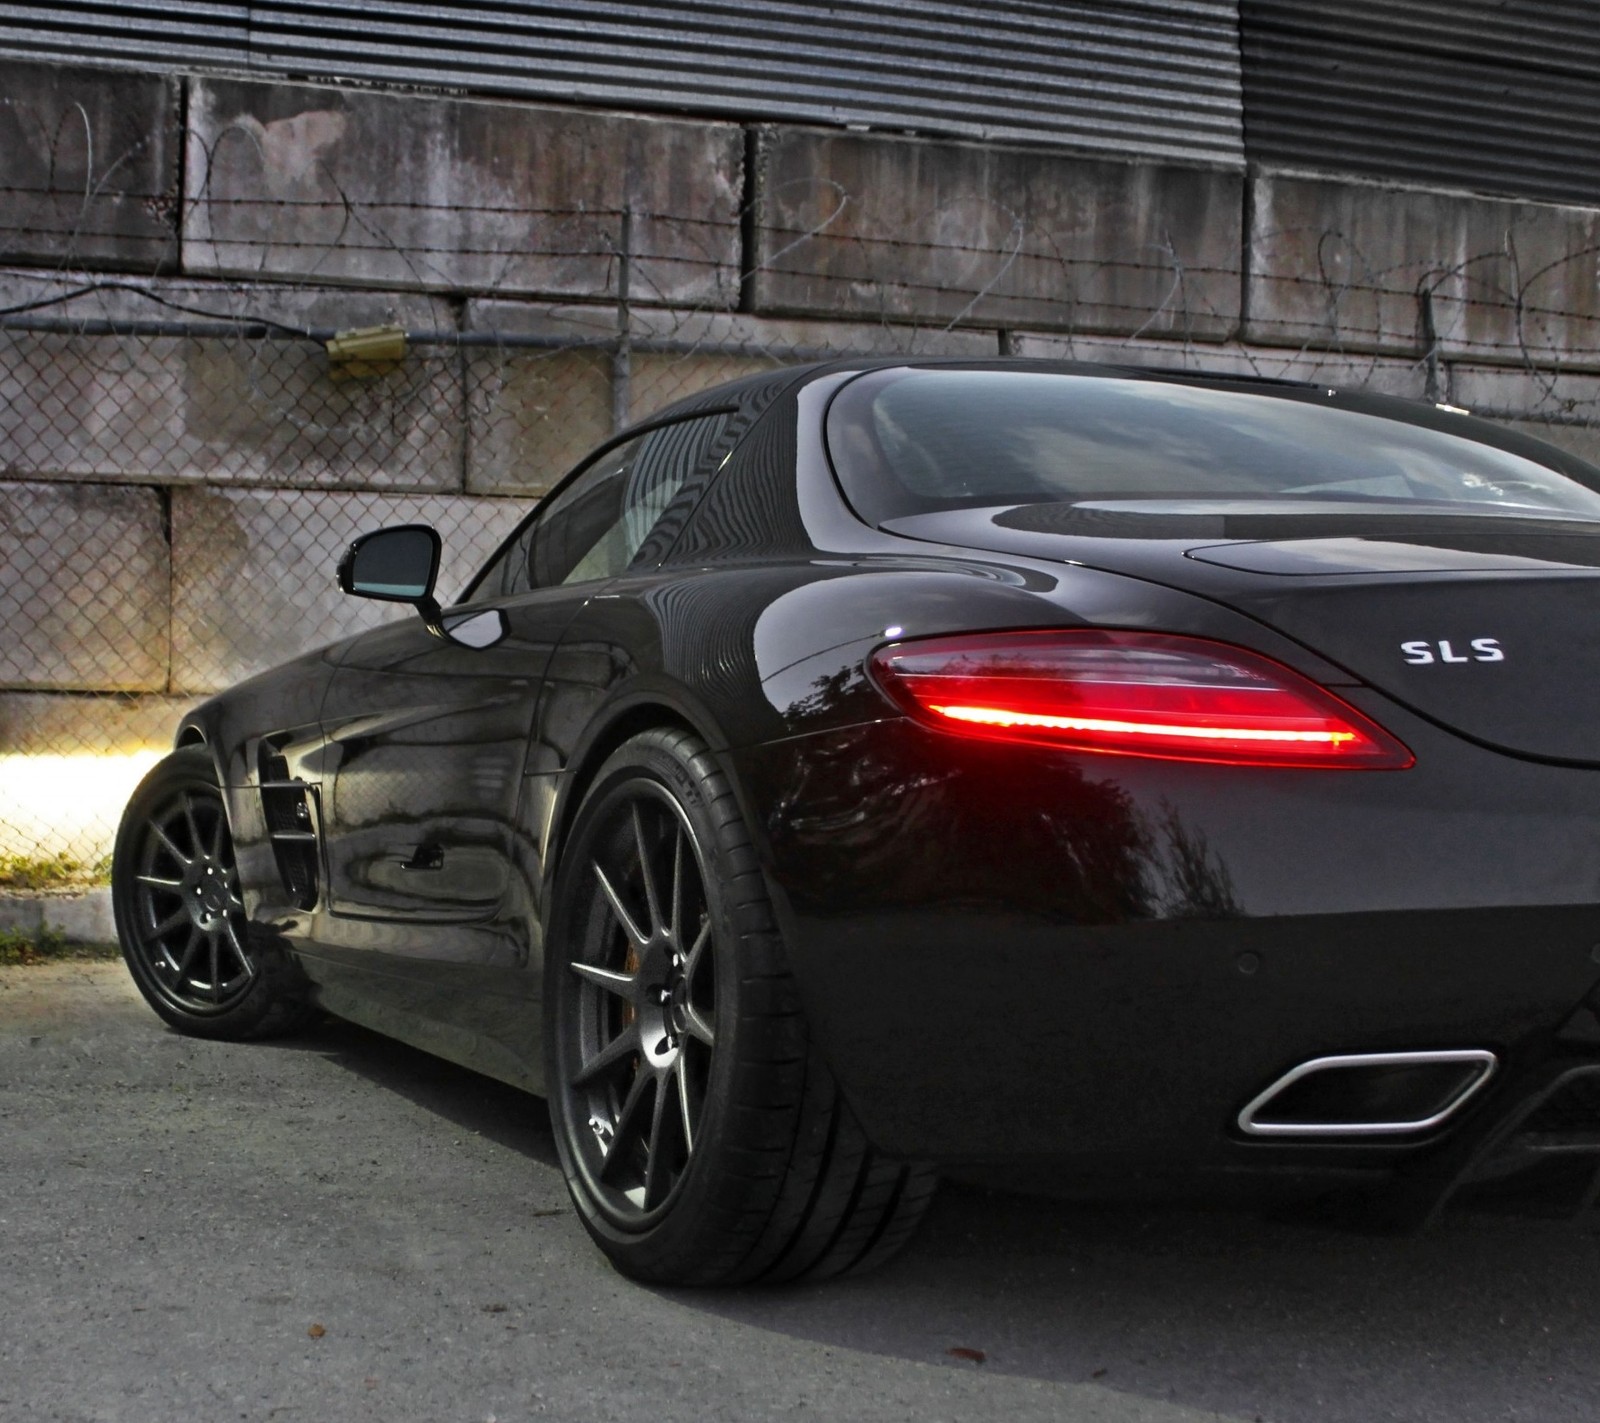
column 1017, row 957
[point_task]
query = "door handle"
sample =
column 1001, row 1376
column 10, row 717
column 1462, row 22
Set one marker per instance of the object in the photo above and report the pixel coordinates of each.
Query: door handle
column 422, row 857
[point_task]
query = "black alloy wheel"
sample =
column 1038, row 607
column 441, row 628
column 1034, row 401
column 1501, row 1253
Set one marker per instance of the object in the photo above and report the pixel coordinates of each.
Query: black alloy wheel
column 179, row 911
column 703, row 1140
column 642, row 1030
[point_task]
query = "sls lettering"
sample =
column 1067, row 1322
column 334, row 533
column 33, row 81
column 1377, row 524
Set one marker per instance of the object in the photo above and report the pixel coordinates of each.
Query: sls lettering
column 1478, row 649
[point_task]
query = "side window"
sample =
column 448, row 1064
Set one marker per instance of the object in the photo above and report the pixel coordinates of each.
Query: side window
column 511, row 570
column 596, row 526
column 581, row 535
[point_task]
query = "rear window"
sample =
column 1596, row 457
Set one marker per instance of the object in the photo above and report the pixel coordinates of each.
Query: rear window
column 919, row 440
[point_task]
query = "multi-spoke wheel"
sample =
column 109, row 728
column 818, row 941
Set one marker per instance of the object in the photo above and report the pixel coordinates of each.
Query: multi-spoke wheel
column 180, row 916
column 702, row 1139
column 644, row 1029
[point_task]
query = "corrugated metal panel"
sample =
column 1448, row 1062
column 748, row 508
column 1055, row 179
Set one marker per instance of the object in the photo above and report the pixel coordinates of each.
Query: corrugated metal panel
column 132, row 36
column 1496, row 96
column 1559, row 35
column 1151, row 78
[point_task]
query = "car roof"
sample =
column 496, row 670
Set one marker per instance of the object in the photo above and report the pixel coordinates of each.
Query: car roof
column 763, row 386
column 760, row 391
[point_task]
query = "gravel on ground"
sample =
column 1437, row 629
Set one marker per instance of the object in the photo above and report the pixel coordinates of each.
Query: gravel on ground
column 338, row 1227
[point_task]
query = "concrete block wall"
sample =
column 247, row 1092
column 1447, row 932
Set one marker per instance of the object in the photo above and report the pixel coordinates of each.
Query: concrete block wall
column 392, row 190
column 171, row 505
column 252, row 571
column 89, row 167
column 83, row 918
column 853, row 226
column 387, row 193
column 43, row 723
column 166, row 410
column 95, row 619
column 1346, row 264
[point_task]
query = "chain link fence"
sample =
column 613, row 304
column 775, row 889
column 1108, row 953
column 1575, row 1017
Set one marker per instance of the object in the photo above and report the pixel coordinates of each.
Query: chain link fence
column 182, row 460
column 181, row 463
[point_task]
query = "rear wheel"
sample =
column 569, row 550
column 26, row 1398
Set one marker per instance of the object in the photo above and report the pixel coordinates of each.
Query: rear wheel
column 703, row 1139
column 180, row 917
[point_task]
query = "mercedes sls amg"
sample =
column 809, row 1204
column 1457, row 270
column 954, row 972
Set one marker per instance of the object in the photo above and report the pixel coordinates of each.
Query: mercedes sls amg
column 1141, row 780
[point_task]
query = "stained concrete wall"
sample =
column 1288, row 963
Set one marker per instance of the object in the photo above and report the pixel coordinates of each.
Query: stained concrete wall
column 147, row 409
column 137, row 590
column 342, row 185
column 252, row 571
column 41, row 723
column 84, row 597
column 205, row 485
column 1347, row 265
column 853, row 226
column 88, row 167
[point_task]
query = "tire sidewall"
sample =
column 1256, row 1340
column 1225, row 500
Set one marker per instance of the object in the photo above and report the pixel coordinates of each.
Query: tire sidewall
column 685, row 1233
column 188, row 769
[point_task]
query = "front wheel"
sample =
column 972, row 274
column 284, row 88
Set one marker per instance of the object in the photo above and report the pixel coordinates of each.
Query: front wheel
column 180, row 917
column 703, row 1140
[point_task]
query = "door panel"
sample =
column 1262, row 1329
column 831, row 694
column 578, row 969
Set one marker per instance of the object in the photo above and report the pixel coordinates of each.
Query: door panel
column 429, row 786
column 427, row 744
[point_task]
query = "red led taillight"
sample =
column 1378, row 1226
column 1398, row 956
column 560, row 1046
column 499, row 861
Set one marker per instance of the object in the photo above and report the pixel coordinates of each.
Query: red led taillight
column 1132, row 694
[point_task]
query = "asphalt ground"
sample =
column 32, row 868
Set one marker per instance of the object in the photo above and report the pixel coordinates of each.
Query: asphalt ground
column 337, row 1227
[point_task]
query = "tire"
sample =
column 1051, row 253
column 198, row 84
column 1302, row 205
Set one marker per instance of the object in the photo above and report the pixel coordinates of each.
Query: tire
column 703, row 1140
column 180, row 918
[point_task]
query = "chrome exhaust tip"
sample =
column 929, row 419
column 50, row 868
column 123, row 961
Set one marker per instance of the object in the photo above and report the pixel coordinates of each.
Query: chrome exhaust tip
column 1368, row 1094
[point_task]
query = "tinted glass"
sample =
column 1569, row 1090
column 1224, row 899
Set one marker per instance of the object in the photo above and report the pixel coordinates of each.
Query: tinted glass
column 575, row 539
column 598, row 524
column 910, row 441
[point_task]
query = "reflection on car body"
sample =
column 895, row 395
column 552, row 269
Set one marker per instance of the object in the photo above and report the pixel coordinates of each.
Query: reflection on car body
column 1151, row 781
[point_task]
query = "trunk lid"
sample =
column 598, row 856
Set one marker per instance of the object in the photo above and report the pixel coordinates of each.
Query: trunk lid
column 1486, row 624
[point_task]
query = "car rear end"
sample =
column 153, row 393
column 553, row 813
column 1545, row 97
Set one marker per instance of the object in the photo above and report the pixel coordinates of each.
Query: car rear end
column 1287, row 875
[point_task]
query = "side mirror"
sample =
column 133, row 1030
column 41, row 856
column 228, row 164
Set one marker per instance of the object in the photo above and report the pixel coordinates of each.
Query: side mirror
column 396, row 565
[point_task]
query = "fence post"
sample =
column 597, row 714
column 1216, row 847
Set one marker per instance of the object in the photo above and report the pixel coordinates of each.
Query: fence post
column 1430, row 341
column 622, row 354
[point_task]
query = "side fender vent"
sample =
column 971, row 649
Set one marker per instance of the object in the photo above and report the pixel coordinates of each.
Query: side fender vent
column 290, row 809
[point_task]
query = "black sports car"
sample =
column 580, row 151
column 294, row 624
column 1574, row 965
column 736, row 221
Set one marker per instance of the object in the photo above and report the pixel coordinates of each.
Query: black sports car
column 1125, row 778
